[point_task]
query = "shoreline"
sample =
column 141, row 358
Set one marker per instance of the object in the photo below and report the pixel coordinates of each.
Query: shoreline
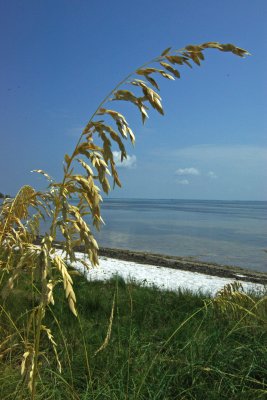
column 178, row 263
column 184, row 264
column 160, row 277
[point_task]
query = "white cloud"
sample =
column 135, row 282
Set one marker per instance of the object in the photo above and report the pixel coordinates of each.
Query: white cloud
column 129, row 162
column 183, row 181
column 241, row 170
column 187, row 171
column 212, row 175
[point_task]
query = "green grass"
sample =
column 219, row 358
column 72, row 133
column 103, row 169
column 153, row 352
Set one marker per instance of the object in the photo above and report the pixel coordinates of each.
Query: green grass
column 163, row 345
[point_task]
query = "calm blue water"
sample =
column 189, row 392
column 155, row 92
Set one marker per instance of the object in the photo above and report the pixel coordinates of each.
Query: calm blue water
column 225, row 232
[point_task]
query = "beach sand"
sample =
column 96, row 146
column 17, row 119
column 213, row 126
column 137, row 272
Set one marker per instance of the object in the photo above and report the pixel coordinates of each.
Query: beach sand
column 168, row 273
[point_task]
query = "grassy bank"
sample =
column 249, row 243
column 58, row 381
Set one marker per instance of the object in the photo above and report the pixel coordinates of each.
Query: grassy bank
column 162, row 345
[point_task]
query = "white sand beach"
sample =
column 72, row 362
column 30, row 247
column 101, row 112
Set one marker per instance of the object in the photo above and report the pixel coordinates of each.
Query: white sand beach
column 160, row 277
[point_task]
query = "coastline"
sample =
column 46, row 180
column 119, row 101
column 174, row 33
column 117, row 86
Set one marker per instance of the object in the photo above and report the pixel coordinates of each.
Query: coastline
column 160, row 277
column 183, row 264
column 177, row 263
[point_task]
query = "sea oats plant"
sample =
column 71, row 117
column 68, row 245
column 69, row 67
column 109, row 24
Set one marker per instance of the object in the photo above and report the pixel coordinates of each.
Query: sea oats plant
column 40, row 264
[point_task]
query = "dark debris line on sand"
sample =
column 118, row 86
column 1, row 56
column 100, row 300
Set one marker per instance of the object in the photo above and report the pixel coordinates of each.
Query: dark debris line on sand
column 185, row 264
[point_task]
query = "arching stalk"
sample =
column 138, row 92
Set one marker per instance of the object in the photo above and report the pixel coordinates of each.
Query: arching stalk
column 97, row 163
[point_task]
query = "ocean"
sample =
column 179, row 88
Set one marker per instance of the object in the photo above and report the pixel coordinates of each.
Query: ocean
column 223, row 232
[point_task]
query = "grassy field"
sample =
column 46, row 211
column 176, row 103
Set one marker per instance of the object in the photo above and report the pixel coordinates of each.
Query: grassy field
column 162, row 345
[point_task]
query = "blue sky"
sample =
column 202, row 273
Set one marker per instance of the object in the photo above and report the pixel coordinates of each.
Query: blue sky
column 60, row 58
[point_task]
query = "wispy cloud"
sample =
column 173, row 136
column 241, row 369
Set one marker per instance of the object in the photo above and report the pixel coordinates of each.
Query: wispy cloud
column 182, row 181
column 187, row 171
column 212, row 175
column 233, row 171
column 129, row 162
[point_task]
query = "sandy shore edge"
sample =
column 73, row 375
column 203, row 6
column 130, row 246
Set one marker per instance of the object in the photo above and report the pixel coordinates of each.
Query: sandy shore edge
column 179, row 263
column 185, row 264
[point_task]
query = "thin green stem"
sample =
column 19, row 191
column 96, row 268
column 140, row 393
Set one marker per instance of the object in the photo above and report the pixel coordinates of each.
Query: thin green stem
column 165, row 344
column 129, row 345
column 36, row 348
column 86, row 358
column 38, row 326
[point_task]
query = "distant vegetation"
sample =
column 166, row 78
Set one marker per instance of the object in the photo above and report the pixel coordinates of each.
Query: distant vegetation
column 3, row 196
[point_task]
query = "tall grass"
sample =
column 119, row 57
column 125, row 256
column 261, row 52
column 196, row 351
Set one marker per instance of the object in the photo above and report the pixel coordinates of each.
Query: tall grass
column 163, row 345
